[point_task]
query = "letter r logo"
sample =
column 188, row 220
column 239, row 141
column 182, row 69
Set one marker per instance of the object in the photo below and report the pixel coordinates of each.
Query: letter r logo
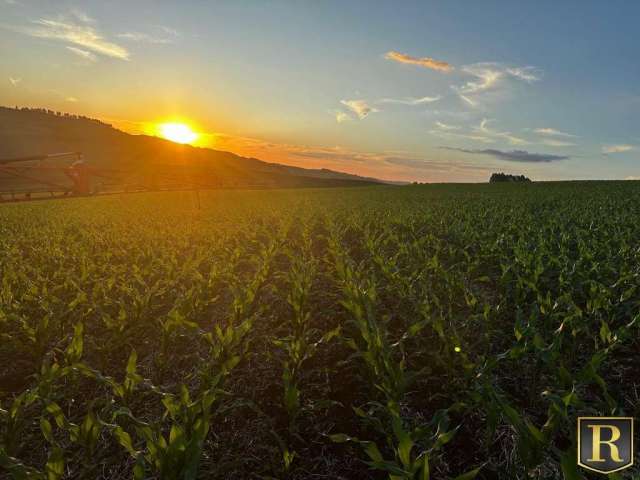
column 605, row 444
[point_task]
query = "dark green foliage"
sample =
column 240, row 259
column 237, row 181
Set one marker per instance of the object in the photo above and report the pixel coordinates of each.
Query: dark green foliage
column 505, row 177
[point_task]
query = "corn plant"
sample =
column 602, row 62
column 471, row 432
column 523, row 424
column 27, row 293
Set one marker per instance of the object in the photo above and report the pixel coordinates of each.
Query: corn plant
column 469, row 324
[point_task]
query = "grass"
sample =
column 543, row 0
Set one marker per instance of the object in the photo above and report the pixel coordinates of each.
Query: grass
column 443, row 332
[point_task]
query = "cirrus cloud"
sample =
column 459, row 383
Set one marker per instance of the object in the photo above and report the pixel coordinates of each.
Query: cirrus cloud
column 552, row 132
column 489, row 77
column 161, row 35
column 87, row 55
column 446, row 126
column 78, row 30
column 341, row 116
column 360, row 107
column 483, row 129
column 607, row 149
column 411, row 100
column 552, row 142
column 425, row 62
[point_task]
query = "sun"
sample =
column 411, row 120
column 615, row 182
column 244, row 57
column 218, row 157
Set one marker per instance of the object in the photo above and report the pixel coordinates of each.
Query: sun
column 177, row 132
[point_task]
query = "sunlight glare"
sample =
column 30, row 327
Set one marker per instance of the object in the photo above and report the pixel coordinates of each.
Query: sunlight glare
column 177, row 132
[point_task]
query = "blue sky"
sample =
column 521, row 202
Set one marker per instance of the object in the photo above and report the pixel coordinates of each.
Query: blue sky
column 427, row 91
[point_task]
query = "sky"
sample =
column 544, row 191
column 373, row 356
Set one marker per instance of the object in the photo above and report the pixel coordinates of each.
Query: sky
column 401, row 90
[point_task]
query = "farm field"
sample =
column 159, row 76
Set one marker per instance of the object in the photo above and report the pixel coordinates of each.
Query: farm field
column 417, row 332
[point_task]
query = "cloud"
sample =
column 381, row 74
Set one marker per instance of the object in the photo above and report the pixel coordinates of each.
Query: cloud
column 632, row 178
column 485, row 78
column 467, row 100
column 485, row 130
column 480, row 133
column 552, row 142
column 444, row 130
column 87, row 55
column 71, row 99
column 445, row 126
column 526, row 74
column 425, row 62
column 462, row 136
column 77, row 29
column 552, row 132
column 142, row 37
column 14, row 81
column 360, row 107
column 168, row 30
column 513, row 155
column 411, row 100
column 490, row 77
column 607, row 149
column 162, row 35
column 341, row 116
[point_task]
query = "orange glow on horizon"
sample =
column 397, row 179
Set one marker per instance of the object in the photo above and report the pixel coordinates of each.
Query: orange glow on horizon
column 177, row 132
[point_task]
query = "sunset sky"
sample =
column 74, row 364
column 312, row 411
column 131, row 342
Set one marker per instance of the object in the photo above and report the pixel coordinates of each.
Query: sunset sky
column 426, row 91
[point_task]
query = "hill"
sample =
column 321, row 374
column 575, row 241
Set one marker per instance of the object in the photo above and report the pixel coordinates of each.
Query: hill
column 139, row 158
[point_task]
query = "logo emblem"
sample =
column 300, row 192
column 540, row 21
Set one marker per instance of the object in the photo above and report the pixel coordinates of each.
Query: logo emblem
column 605, row 444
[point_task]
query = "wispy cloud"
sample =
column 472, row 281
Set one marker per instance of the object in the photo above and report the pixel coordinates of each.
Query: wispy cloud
column 485, row 77
column 341, row 116
column 460, row 136
column 14, row 81
column 607, row 149
column 446, row 126
column 513, row 155
column 552, row 132
column 490, row 77
column 71, row 99
column 467, row 100
column 77, row 29
column 527, row 74
column 452, row 132
column 552, row 142
column 168, row 30
column 425, row 62
column 479, row 133
column 360, row 107
column 484, row 129
column 142, row 37
column 163, row 35
column 86, row 54
column 411, row 100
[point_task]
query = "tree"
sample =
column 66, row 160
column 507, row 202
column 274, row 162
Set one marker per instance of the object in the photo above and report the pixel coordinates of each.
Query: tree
column 505, row 177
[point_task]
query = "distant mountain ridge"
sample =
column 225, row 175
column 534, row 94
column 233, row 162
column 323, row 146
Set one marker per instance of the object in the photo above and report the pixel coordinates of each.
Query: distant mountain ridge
column 25, row 132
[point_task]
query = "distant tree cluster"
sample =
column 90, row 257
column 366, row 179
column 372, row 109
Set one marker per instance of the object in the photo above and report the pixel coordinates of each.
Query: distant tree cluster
column 505, row 177
column 54, row 113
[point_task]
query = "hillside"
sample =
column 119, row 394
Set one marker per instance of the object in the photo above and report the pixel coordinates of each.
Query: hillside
column 35, row 132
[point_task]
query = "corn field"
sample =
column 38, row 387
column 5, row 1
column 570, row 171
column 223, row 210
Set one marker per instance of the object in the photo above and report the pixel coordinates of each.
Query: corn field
column 418, row 332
